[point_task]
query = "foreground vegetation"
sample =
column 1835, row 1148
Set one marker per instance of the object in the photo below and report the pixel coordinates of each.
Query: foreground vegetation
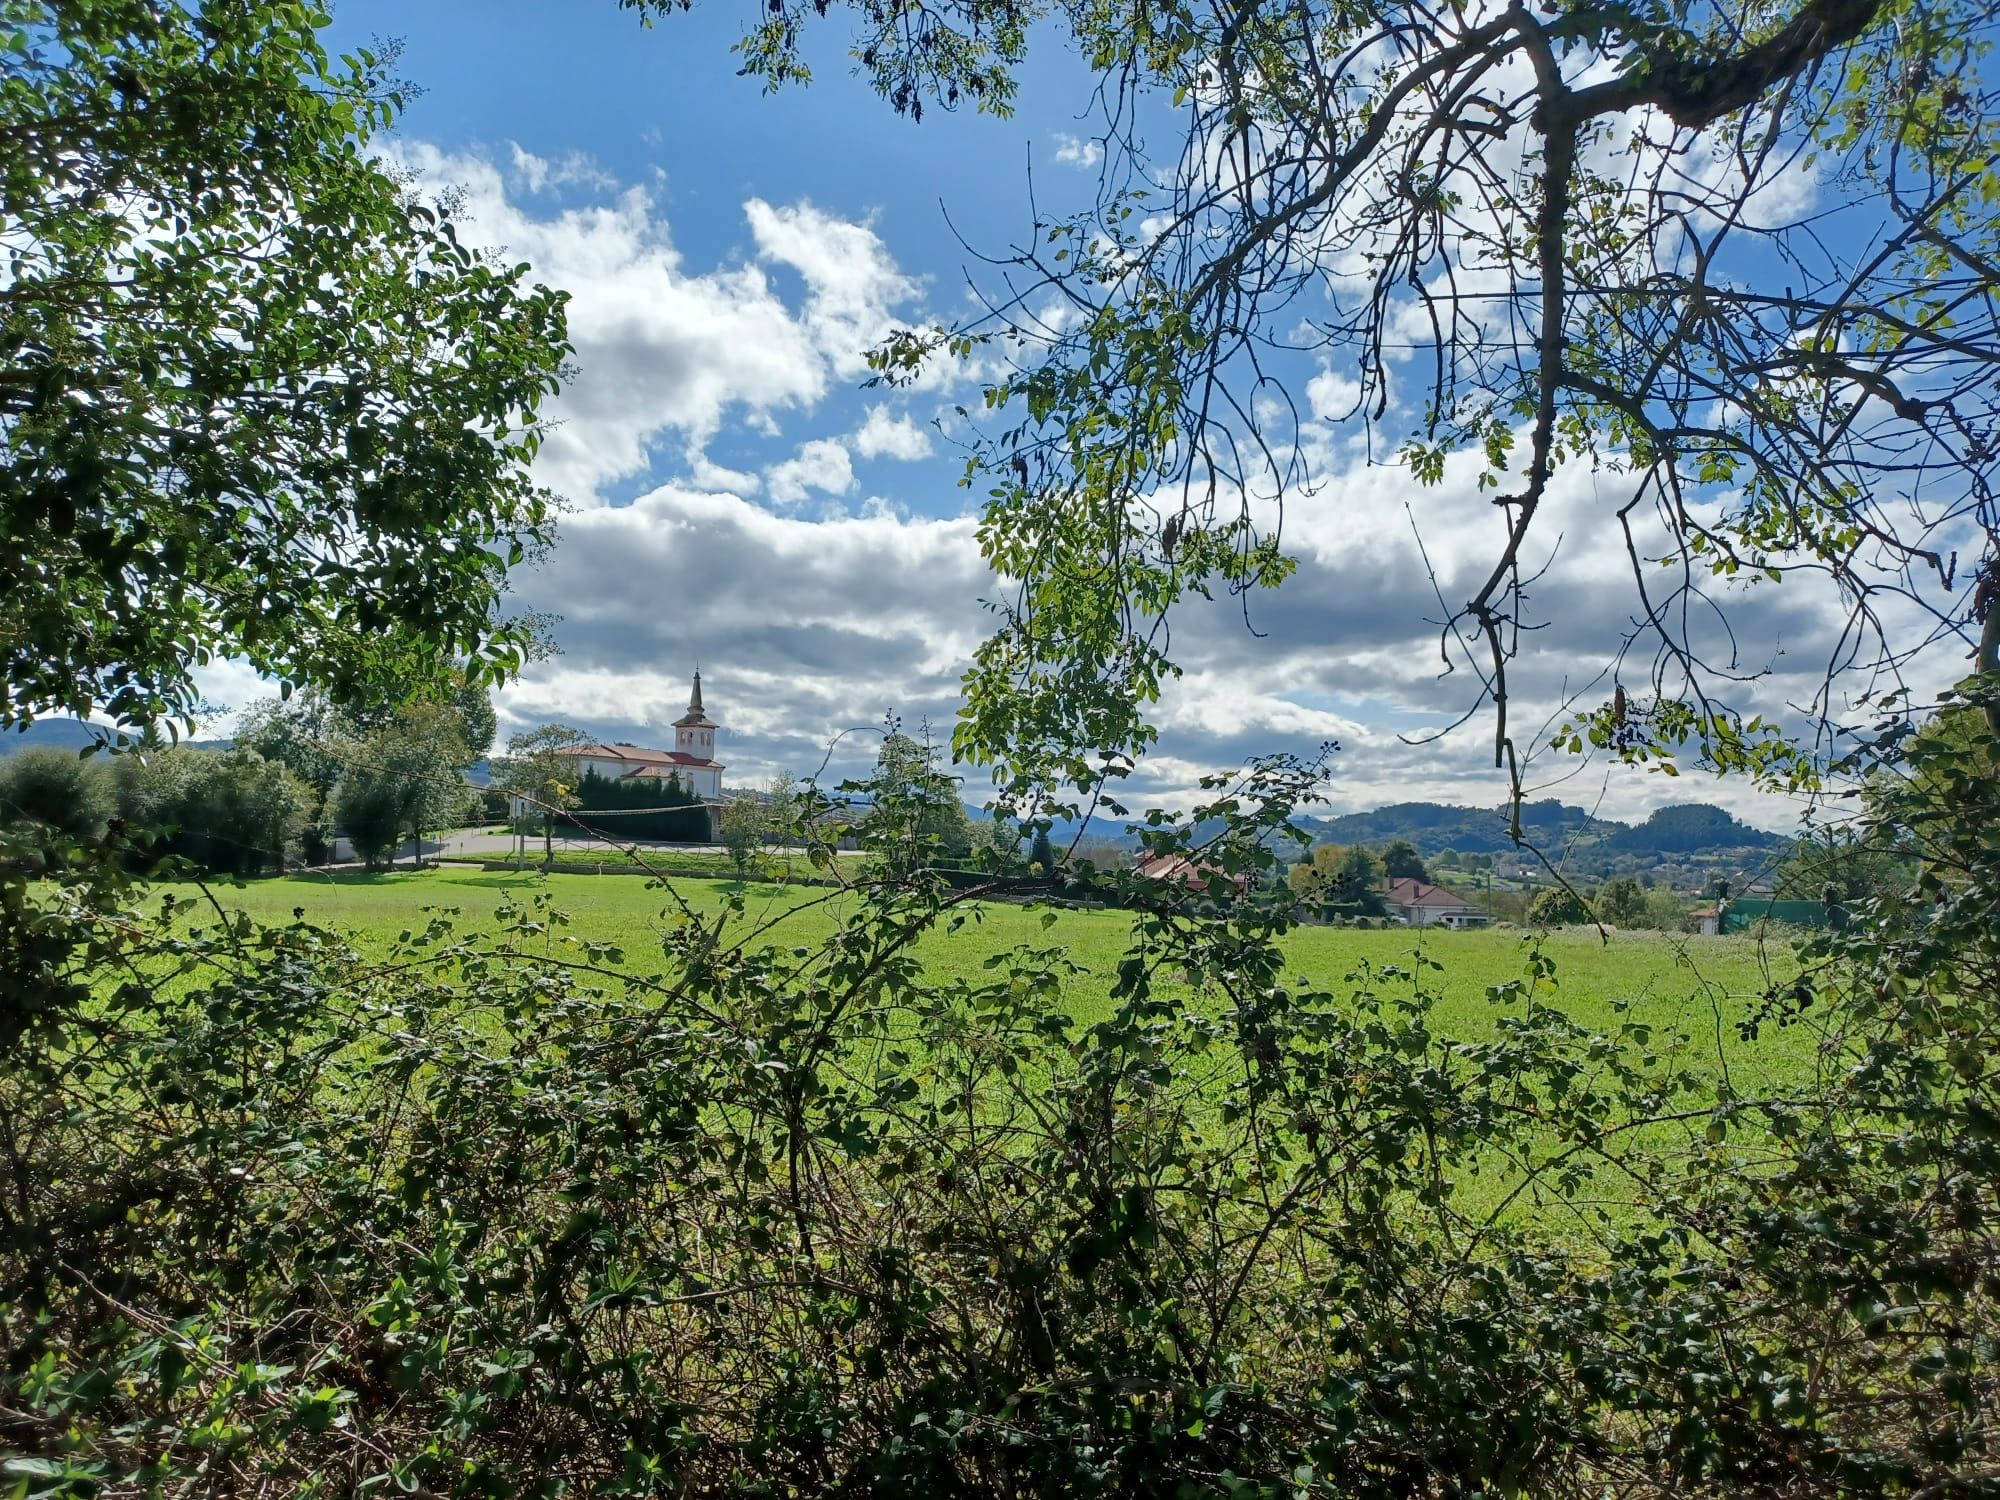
column 714, row 1188
column 903, row 1194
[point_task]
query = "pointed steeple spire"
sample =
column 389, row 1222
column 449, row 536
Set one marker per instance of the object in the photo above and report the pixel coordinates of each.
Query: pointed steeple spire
column 696, row 716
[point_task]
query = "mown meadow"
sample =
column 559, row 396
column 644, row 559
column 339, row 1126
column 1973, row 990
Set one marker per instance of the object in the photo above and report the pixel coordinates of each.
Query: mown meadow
column 1280, row 1208
column 1703, row 987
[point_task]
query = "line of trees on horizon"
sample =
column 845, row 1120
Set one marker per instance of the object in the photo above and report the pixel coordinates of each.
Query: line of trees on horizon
column 1349, row 883
column 300, row 776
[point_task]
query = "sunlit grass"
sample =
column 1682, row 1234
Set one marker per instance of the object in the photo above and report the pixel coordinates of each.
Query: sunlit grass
column 1703, row 986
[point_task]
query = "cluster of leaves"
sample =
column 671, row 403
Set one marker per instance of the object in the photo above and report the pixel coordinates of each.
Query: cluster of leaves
column 299, row 772
column 1558, row 907
column 376, row 776
column 539, row 767
column 258, row 399
column 913, row 817
column 754, row 820
column 1625, row 902
column 1342, row 880
column 519, row 1213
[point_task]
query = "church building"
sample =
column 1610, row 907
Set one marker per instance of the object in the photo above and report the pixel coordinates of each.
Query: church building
column 692, row 760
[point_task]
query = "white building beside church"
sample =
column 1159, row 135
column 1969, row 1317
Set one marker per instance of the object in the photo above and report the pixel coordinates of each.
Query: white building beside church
column 692, row 761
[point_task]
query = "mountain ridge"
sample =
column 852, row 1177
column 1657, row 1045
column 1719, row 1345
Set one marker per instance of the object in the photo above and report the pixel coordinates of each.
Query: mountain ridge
column 1682, row 840
column 1680, row 829
column 1433, row 827
column 76, row 734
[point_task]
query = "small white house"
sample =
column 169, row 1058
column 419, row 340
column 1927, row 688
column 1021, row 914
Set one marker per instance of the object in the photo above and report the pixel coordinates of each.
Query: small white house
column 1420, row 904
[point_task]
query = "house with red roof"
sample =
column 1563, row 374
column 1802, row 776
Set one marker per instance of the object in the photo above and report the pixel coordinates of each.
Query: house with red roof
column 1420, row 904
column 1178, row 869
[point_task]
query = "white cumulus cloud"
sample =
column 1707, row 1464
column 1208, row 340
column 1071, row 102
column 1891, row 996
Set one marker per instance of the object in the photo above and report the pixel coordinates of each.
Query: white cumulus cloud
column 665, row 350
column 1081, row 154
column 885, row 436
column 851, row 278
column 822, row 464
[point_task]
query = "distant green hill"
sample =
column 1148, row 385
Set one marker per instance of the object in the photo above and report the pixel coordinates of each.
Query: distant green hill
column 1689, row 828
column 1433, row 827
column 1685, row 832
column 73, row 734
column 50, row 734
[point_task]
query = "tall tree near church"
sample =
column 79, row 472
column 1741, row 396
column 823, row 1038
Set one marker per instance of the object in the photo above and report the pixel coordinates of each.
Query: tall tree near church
column 744, row 826
column 420, row 756
column 539, row 773
column 423, row 745
column 915, row 817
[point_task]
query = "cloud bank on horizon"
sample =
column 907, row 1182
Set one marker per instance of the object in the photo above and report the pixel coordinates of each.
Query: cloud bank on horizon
column 742, row 503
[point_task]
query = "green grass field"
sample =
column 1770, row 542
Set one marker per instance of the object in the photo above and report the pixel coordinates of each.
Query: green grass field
column 1700, row 985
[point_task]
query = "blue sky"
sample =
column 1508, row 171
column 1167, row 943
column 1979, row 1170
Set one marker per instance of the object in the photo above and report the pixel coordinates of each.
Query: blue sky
column 664, row 108
column 743, row 503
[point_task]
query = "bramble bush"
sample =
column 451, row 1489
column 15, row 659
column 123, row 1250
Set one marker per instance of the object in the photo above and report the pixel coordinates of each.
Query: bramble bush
column 523, row 1214
column 1558, row 906
column 56, row 791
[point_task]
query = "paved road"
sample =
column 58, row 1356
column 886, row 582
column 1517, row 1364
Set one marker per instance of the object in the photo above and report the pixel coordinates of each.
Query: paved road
column 497, row 843
column 486, row 843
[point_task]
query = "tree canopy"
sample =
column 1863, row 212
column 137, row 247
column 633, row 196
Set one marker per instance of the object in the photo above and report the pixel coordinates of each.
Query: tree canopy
column 377, row 773
column 258, row 399
column 1738, row 258
column 914, row 816
column 538, row 767
column 1400, row 861
column 1344, row 879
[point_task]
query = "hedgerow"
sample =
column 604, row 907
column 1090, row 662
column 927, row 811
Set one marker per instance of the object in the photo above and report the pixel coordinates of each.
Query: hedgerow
column 515, row 1214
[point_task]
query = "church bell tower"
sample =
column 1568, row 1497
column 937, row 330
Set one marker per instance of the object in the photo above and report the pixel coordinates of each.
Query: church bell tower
column 694, row 731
